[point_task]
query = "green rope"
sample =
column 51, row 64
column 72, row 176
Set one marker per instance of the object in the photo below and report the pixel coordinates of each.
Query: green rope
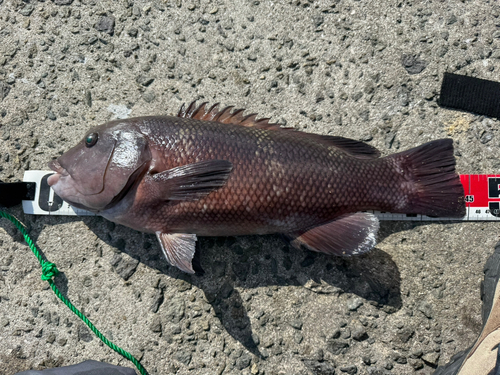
column 49, row 270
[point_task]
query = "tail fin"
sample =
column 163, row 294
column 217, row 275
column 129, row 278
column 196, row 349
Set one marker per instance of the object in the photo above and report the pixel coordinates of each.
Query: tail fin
column 436, row 188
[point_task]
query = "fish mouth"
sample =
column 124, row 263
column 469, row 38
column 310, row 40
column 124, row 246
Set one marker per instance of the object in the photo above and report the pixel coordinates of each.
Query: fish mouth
column 60, row 172
column 61, row 190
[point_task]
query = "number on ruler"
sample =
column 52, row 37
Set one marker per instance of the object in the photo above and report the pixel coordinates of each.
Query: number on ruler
column 48, row 200
column 469, row 198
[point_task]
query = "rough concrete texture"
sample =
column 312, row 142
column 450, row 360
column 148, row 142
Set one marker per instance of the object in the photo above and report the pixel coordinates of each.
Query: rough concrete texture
column 367, row 70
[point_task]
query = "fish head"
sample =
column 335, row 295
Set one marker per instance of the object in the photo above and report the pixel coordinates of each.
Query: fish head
column 99, row 171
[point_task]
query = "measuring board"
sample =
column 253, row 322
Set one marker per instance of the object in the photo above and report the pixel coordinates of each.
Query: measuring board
column 482, row 199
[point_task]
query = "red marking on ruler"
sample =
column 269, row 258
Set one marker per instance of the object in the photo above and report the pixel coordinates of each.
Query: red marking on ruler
column 481, row 189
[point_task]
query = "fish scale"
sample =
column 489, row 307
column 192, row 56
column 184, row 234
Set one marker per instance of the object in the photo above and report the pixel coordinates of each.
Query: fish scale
column 219, row 173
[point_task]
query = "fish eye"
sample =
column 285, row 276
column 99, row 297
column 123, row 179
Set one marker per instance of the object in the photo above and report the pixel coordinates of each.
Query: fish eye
column 91, row 139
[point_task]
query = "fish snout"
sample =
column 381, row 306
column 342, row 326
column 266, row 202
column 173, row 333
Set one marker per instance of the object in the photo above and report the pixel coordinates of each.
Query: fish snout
column 55, row 166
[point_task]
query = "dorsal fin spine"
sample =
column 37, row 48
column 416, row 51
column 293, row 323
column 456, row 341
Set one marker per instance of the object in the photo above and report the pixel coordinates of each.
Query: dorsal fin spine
column 225, row 116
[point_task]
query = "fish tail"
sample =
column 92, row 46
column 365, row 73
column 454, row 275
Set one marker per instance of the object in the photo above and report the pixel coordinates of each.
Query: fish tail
column 433, row 186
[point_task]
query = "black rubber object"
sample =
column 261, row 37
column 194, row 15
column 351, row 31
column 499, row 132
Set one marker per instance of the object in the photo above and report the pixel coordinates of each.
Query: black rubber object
column 85, row 368
column 470, row 94
column 12, row 193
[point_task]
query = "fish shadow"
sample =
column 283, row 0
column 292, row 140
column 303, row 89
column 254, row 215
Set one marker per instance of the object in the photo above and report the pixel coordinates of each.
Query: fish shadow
column 237, row 267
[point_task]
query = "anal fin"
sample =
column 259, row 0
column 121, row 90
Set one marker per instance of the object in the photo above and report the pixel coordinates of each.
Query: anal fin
column 351, row 234
column 179, row 249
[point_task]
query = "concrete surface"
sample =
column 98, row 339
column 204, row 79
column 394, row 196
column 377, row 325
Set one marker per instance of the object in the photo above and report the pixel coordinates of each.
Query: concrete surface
column 367, row 70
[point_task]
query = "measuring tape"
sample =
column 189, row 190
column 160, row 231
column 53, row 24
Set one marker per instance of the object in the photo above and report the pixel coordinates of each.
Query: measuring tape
column 482, row 197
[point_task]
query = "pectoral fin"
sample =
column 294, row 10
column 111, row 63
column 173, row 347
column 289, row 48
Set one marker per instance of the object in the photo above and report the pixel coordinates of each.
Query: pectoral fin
column 192, row 181
column 349, row 235
column 179, row 249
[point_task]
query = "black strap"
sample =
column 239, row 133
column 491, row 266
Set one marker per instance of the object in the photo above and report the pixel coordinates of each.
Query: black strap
column 470, row 94
column 11, row 194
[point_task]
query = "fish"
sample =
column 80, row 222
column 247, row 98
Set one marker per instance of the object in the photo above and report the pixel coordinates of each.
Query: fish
column 217, row 172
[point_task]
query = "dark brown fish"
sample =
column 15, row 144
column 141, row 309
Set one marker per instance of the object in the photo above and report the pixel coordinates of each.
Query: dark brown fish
column 218, row 173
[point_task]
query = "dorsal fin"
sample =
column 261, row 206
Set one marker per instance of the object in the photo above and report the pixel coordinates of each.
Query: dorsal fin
column 227, row 115
column 355, row 148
